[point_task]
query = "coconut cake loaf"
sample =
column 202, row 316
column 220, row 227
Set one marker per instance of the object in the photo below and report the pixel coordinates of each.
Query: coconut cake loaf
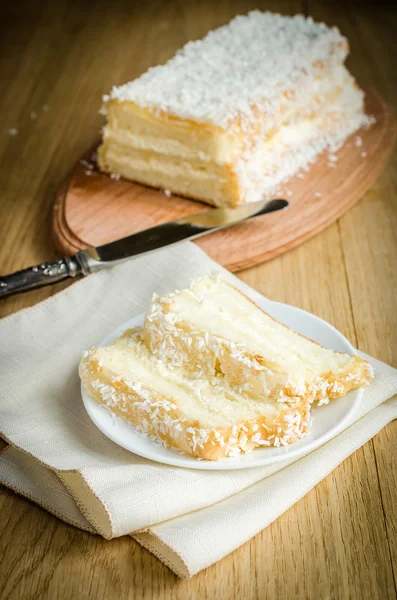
column 231, row 116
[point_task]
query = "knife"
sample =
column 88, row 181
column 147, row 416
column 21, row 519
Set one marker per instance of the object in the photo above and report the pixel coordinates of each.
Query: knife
column 90, row 260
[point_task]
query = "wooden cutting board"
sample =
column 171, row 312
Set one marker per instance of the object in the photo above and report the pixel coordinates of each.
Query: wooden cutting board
column 92, row 209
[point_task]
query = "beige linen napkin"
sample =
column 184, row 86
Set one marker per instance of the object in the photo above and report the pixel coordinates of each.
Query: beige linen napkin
column 57, row 457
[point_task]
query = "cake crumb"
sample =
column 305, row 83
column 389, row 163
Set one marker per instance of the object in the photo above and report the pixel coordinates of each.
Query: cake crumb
column 332, row 165
column 13, row 131
column 33, row 115
column 167, row 192
column 317, row 194
column 300, row 176
column 363, row 154
column 358, row 142
column 86, row 164
column 115, row 176
column 333, row 158
column 45, row 107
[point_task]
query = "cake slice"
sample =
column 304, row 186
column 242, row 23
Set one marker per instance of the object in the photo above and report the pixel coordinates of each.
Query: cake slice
column 212, row 375
column 233, row 115
column 213, row 330
column 205, row 418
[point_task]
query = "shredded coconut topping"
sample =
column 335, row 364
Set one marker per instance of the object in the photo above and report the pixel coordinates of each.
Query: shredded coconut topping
column 264, row 54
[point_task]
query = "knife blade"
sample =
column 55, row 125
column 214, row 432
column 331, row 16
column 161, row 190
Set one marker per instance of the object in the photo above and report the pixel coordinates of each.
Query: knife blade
column 92, row 259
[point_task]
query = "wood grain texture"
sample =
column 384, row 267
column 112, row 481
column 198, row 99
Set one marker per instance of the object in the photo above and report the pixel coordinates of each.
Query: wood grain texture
column 340, row 541
column 92, row 209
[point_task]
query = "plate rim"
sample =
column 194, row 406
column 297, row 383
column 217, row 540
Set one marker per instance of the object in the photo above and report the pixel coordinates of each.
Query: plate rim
column 227, row 464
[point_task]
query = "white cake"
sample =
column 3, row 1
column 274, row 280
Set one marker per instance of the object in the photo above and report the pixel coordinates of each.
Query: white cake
column 212, row 375
column 205, row 418
column 231, row 116
column 212, row 329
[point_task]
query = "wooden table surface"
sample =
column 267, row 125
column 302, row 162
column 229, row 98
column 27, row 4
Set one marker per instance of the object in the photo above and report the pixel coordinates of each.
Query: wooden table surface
column 340, row 541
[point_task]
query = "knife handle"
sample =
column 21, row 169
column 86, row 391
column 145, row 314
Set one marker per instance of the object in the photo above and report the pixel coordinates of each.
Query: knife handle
column 45, row 274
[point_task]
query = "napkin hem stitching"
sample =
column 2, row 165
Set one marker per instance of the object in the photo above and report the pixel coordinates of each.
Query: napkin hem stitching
column 146, row 544
column 82, row 507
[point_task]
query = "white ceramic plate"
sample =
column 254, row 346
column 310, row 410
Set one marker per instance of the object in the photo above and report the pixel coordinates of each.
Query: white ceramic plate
column 328, row 419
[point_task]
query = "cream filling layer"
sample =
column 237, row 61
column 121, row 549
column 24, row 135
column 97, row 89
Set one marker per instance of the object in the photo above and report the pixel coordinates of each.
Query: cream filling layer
column 210, row 182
